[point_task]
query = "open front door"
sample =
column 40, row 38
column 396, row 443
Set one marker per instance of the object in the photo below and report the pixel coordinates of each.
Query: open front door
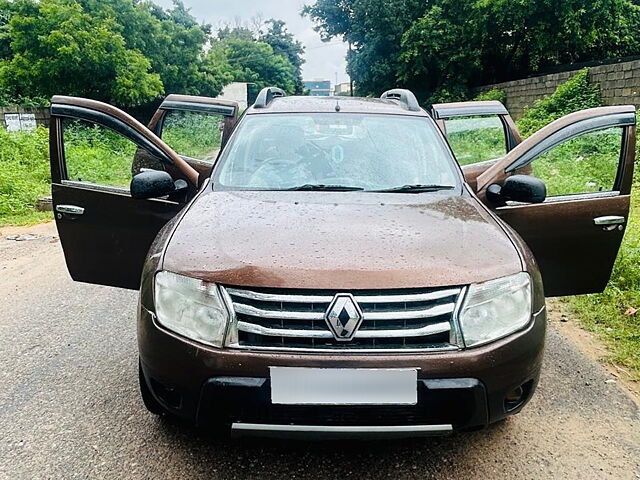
column 195, row 127
column 479, row 133
column 104, row 232
column 586, row 161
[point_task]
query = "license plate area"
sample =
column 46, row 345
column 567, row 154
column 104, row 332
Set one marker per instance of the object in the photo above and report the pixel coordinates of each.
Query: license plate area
column 343, row 386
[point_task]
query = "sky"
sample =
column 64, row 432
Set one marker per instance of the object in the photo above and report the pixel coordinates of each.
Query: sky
column 323, row 60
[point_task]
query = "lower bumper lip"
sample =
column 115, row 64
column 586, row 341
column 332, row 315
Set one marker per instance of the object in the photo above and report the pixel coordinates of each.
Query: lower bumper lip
column 338, row 431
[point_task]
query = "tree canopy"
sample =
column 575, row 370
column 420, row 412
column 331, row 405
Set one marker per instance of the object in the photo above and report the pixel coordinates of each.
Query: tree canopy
column 284, row 43
column 269, row 56
column 129, row 52
column 441, row 48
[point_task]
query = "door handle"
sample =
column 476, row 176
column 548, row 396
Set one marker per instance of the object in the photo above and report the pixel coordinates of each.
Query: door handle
column 609, row 222
column 71, row 209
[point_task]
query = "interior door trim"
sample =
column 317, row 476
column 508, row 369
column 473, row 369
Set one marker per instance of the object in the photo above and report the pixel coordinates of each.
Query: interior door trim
column 568, row 133
column 556, row 132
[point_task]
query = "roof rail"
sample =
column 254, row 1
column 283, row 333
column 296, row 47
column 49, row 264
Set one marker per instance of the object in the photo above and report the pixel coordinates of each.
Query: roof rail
column 266, row 95
column 406, row 97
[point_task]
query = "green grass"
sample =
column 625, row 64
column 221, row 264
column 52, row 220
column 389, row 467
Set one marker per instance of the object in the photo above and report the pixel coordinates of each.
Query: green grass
column 93, row 154
column 24, row 176
column 193, row 134
column 97, row 155
column 582, row 165
column 478, row 145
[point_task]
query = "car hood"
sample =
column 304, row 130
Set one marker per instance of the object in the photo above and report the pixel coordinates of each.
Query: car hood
column 339, row 240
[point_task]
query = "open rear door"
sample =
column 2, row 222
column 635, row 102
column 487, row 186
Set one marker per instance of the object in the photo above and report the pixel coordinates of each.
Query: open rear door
column 586, row 161
column 197, row 128
column 104, row 232
column 479, row 133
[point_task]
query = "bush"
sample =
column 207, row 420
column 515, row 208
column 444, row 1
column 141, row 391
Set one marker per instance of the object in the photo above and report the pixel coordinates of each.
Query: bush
column 450, row 94
column 575, row 94
column 493, row 94
column 24, row 174
column 7, row 100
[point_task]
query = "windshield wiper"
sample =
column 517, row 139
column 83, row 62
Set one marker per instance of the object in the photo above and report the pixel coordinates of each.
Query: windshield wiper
column 416, row 188
column 321, row 186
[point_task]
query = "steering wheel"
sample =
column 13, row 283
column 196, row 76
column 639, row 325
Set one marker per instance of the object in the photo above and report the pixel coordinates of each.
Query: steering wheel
column 271, row 170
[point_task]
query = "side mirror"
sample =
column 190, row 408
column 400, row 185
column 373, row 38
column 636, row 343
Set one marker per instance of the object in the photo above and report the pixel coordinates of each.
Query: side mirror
column 518, row 188
column 152, row 184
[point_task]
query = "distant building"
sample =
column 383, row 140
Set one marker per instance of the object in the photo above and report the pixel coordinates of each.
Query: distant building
column 318, row 88
column 238, row 92
column 343, row 89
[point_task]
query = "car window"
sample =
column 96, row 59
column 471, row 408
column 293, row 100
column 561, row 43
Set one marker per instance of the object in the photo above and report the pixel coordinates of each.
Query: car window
column 584, row 164
column 367, row 151
column 97, row 155
column 195, row 135
column 476, row 139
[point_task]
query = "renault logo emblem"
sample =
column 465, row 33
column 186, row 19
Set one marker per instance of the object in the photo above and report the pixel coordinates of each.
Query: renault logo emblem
column 343, row 317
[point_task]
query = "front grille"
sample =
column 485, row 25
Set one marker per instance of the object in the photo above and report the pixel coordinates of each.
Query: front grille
column 407, row 319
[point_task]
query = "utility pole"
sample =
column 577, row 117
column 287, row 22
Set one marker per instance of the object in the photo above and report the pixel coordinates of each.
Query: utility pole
column 350, row 79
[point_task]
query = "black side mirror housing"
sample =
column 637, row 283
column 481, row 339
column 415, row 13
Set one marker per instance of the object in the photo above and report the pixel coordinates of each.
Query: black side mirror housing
column 152, row 184
column 518, row 188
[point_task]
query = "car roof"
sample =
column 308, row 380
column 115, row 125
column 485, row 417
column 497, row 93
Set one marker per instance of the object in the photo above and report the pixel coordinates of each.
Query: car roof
column 309, row 104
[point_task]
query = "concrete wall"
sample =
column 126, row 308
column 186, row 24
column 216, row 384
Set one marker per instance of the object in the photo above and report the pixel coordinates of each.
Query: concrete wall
column 41, row 113
column 238, row 92
column 619, row 84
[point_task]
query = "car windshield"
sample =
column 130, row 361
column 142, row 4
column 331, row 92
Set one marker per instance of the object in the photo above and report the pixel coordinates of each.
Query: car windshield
column 336, row 151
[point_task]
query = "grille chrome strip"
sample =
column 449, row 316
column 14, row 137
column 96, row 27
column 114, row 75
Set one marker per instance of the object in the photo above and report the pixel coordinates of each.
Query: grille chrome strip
column 289, row 298
column 435, row 349
column 275, row 314
column 289, row 333
column 398, row 320
column 396, row 315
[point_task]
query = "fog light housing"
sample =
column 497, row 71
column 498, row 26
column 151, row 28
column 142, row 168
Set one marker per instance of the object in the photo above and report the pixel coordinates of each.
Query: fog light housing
column 517, row 397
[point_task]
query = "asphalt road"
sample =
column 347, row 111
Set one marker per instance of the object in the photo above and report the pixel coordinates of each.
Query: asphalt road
column 69, row 405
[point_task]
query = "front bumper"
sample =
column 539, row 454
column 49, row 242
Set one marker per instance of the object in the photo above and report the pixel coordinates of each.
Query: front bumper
column 245, row 405
column 458, row 390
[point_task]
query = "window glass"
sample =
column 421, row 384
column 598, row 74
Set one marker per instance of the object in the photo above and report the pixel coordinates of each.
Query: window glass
column 476, row 139
column 366, row 151
column 193, row 134
column 96, row 154
column 584, row 164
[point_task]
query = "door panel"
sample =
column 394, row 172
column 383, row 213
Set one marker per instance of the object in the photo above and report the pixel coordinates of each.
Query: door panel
column 108, row 243
column 104, row 232
column 479, row 133
column 575, row 256
column 575, row 250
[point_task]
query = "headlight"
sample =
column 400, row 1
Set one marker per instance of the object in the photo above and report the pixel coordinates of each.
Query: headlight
column 496, row 308
column 191, row 307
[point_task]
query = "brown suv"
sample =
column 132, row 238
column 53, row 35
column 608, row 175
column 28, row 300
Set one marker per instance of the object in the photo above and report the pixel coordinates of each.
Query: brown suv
column 331, row 271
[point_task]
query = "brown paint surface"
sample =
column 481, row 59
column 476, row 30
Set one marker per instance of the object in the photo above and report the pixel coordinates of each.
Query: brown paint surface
column 340, row 240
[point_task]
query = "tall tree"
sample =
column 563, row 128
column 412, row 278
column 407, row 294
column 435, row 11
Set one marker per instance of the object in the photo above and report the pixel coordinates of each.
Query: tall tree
column 172, row 40
column 285, row 44
column 6, row 11
column 57, row 47
column 254, row 61
column 443, row 47
column 374, row 29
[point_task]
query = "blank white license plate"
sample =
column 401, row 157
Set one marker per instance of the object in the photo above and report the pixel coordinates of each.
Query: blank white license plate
column 344, row 386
